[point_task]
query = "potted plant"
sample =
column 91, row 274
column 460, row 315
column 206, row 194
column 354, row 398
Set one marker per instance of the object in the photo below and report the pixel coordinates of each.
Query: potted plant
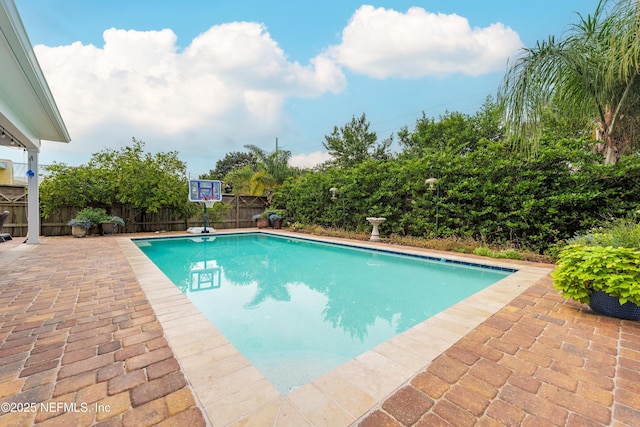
column 87, row 220
column 262, row 219
column 79, row 226
column 275, row 218
column 109, row 226
column 602, row 269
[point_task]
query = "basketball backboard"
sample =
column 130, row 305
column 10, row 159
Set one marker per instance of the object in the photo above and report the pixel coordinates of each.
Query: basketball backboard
column 201, row 190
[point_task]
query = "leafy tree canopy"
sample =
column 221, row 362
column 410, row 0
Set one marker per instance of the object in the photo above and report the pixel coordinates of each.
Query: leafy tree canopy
column 128, row 176
column 231, row 161
column 453, row 132
column 270, row 171
column 353, row 143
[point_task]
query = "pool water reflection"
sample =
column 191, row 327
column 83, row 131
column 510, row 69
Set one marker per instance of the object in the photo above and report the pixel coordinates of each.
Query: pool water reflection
column 296, row 308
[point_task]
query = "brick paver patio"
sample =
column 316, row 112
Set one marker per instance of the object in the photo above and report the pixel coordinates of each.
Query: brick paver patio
column 540, row 361
column 75, row 327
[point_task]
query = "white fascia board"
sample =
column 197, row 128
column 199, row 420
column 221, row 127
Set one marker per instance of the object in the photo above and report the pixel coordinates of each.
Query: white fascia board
column 34, row 84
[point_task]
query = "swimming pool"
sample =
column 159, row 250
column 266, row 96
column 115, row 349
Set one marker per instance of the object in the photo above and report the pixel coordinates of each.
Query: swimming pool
column 296, row 308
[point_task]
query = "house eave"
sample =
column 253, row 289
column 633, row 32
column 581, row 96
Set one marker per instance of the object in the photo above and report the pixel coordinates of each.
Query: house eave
column 27, row 107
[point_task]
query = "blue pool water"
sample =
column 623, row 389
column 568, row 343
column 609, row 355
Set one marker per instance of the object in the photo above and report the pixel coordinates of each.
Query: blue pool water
column 297, row 309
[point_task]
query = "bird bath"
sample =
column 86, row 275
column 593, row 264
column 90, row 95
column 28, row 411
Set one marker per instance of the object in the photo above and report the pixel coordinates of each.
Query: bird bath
column 375, row 235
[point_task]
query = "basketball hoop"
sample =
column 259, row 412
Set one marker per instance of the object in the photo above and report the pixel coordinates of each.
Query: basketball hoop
column 206, row 192
column 208, row 203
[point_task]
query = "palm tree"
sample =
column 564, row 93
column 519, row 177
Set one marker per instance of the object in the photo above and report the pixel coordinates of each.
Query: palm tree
column 271, row 171
column 591, row 76
column 247, row 181
column 275, row 164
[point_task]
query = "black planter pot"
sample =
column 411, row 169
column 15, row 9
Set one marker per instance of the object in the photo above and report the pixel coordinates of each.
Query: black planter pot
column 108, row 228
column 603, row 303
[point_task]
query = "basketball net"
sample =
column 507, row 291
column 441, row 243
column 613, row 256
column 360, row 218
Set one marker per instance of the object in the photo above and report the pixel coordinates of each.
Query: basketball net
column 208, row 203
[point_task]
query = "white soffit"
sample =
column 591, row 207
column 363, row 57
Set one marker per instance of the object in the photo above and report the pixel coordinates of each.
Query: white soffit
column 27, row 108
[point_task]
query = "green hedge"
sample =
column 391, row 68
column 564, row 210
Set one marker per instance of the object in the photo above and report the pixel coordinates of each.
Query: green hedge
column 490, row 194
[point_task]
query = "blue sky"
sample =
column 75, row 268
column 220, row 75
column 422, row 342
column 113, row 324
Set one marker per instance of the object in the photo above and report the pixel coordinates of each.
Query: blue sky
column 206, row 77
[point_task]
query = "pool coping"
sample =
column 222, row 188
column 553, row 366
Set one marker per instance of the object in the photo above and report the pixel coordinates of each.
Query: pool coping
column 233, row 392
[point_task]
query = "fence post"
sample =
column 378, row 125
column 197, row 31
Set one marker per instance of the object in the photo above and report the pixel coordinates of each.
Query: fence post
column 237, row 197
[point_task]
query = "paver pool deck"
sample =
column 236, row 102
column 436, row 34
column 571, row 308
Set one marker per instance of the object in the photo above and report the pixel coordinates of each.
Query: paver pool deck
column 92, row 333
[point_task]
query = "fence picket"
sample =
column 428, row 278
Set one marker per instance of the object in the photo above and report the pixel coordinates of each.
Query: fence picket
column 243, row 208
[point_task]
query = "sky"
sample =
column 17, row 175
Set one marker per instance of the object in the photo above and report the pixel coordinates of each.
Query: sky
column 207, row 77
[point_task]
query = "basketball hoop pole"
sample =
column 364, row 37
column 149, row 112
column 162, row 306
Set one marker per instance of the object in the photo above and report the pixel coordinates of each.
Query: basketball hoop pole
column 205, row 216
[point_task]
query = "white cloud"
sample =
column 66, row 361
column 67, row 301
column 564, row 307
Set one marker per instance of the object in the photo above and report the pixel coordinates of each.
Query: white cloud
column 309, row 160
column 384, row 43
column 226, row 89
column 229, row 87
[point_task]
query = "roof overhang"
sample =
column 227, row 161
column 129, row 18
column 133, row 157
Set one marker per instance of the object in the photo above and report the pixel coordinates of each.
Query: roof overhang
column 28, row 112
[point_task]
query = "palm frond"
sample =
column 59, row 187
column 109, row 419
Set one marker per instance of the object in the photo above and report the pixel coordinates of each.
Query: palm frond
column 591, row 74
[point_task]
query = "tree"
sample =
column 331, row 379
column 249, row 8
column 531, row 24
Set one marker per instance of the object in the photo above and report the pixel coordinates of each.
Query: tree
column 275, row 163
column 271, row 170
column 231, row 161
column 128, row 176
column 454, row 132
column 68, row 186
column 590, row 76
column 488, row 121
column 352, row 144
column 246, row 181
column 141, row 179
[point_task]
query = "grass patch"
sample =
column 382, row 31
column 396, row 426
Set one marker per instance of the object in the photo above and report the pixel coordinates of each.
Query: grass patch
column 506, row 253
column 448, row 244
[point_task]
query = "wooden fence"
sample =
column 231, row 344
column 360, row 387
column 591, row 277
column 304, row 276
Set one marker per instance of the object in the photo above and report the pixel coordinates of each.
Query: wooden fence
column 14, row 200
